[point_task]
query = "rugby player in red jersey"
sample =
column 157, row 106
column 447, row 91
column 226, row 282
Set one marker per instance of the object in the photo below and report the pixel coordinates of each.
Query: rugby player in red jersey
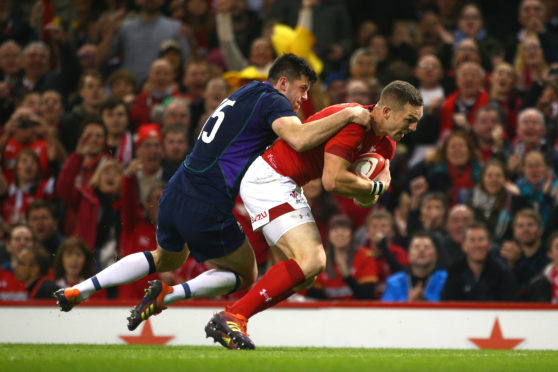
column 272, row 193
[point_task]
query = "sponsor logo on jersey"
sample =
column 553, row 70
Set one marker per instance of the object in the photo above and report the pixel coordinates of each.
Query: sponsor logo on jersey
column 259, row 217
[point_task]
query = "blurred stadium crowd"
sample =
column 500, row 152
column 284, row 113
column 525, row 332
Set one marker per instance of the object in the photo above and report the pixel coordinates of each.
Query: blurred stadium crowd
column 100, row 101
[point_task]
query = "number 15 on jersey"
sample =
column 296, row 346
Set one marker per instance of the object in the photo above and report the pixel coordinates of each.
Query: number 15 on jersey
column 220, row 115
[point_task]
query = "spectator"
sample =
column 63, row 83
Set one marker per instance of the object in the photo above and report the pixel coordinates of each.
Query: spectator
column 149, row 149
column 119, row 139
column 460, row 107
column 93, row 205
column 358, row 91
column 91, row 92
column 532, row 257
column 38, row 76
column 19, row 236
column 379, row 45
column 422, row 281
column 531, row 132
column 10, row 74
column 73, row 262
column 80, row 167
column 170, row 51
column 336, row 88
column 449, row 250
column 27, row 130
column 215, row 92
column 138, row 227
column 495, row 199
column 465, row 50
column 137, row 40
column 160, row 86
column 488, row 132
column 503, row 91
column 122, row 85
column 543, row 287
column 479, row 276
column 456, row 167
column 350, row 271
column 88, row 57
column 429, row 216
column 260, row 56
column 32, row 266
column 175, row 147
column 529, row 63
column 531, row 17
column 42, row 220
column 390, row 258
column 198, row 17
column 52, row 110
column 538, row 185
column 27, row 187
column 429, row 73
column 196, row 75
column 470, row 25
column 362, row 66
column 176, row 111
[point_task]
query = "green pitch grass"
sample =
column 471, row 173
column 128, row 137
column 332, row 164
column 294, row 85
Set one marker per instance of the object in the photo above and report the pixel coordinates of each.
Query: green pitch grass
column 136, row 358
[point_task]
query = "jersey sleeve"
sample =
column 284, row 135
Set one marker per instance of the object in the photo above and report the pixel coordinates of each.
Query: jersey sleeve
column 345, row 143
column 275, row 106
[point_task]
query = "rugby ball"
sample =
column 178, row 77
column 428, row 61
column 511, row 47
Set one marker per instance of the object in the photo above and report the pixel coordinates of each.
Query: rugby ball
column 369, row 164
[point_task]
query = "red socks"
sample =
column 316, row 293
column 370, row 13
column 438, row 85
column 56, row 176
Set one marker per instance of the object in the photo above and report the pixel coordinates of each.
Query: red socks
column 276, row 285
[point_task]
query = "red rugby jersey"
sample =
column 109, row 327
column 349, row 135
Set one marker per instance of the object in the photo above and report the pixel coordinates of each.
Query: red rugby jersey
column 349, row 143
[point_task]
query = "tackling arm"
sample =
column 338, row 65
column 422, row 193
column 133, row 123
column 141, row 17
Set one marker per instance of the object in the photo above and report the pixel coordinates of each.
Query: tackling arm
column 302, row 137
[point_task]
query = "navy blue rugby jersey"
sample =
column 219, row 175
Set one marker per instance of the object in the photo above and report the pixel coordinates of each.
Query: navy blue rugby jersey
column 237, row 132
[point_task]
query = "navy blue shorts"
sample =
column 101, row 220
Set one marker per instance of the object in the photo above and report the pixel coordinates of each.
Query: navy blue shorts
column 208, row 232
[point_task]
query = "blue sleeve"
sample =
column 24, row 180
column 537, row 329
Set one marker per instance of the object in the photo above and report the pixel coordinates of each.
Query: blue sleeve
column 275, row 106
column 396, row 288
column 435, row 286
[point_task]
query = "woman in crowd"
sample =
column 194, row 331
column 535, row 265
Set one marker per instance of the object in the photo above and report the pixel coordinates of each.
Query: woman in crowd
column 494, row 199
column 73, row 262
column 456, row 167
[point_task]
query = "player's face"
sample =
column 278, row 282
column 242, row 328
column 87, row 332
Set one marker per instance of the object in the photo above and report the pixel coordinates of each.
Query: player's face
column 400, row 122
column 296, row 91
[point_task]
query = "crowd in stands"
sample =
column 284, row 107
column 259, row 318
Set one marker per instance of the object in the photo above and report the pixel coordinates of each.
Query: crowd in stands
column 100, row 101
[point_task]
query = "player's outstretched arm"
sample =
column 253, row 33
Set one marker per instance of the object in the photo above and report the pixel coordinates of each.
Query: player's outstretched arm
column 302, row 137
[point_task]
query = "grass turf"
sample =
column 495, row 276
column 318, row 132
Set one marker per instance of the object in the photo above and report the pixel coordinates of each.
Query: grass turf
column 136, row 358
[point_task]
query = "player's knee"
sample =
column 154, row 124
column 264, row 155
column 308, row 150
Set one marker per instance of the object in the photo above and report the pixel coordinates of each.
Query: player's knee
column 313, row 262
column 168, row 261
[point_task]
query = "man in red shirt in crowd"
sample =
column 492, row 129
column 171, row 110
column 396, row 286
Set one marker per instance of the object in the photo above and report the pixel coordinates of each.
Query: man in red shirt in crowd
column 272, row 193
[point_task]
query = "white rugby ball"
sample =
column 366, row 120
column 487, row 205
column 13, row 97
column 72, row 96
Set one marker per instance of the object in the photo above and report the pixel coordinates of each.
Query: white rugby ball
column 369, row 164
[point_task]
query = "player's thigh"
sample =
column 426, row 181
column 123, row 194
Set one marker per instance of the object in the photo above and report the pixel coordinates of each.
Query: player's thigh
column 242, row 261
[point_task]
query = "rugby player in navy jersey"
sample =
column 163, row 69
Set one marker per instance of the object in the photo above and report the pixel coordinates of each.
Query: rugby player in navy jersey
column 195, row 210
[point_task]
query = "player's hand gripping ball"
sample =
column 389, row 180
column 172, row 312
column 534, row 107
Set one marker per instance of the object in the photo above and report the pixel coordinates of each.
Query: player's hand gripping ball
column 369, row 165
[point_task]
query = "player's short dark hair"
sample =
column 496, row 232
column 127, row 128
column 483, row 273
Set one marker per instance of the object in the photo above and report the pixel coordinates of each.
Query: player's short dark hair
column 292, row 67
column 112, row 103
column 400, row 92
column 40, row 204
